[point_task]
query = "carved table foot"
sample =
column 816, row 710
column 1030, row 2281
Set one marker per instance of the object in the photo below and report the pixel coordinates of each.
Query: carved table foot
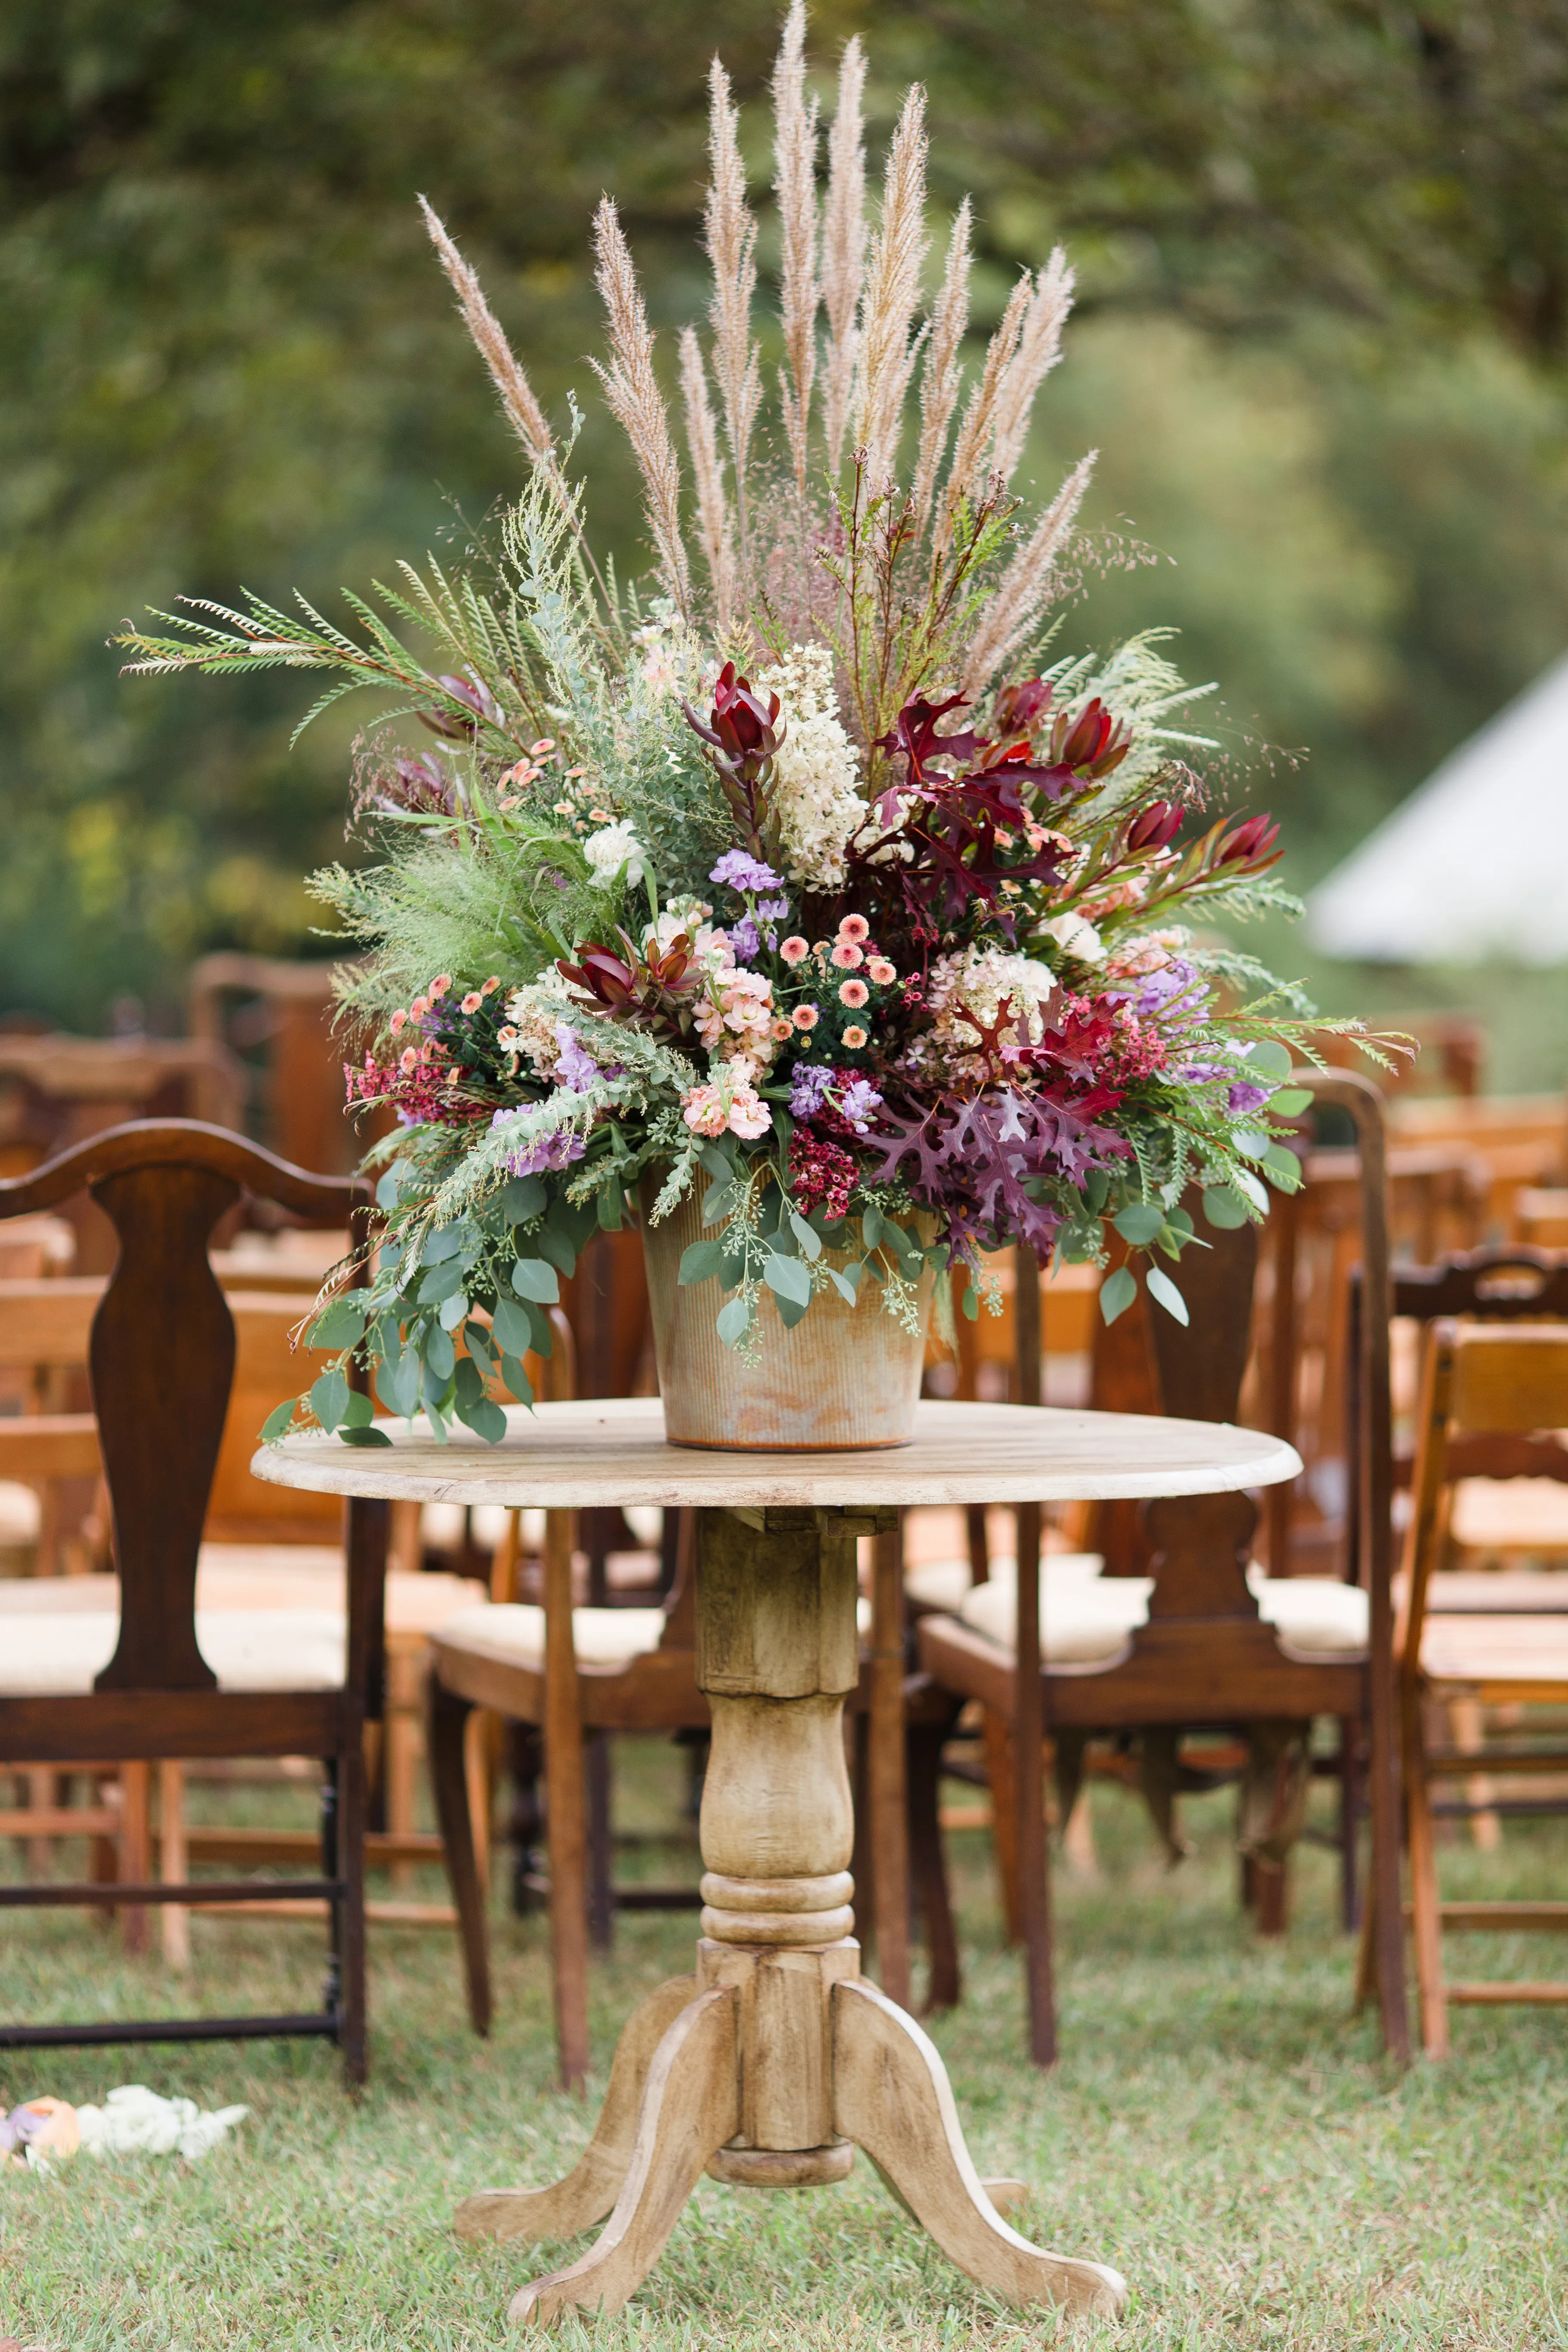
column 590, row 2190
column 690, row 2108
column 892, row 2095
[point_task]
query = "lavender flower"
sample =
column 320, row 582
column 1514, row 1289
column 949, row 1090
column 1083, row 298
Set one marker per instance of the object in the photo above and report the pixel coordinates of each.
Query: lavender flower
column 808, row 1089
column 743, row 872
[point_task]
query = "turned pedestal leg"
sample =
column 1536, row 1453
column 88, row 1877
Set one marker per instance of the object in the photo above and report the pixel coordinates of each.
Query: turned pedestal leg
column 771, row 2066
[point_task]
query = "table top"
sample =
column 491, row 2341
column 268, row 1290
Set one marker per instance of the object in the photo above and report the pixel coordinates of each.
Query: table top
column 614, row 1451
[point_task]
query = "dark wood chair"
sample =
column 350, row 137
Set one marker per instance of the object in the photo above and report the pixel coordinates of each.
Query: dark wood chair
column 162, row 1357
column 1203, row 1650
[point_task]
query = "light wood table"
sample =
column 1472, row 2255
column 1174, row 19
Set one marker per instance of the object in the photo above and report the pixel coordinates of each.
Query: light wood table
column 775, row 2058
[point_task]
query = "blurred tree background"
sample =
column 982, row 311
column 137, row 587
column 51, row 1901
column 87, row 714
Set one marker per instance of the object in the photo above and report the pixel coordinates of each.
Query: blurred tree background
column 1322, row 248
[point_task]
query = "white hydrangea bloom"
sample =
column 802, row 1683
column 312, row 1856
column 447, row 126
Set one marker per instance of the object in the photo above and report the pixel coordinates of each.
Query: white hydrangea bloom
column 818, row 799
column 978, row 980
column 531, row 1015
column 614, row 849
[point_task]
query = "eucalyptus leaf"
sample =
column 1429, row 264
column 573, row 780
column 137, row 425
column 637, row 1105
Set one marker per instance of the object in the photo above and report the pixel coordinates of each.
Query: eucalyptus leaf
column 398, row 1384
column 439, row 1353
column 1224, row 1208
column 512, row 1327
column 539, row 1325
column 278, row 1422
column 444, row 1281
column 444, row 1242
column 389, row 1187
column 846, row 1289
column 1291, row 1102
column 789, row 1311
column 366, row 1435
column 969, row 1302
column 337, row 1326
column 700, row 1262
column 328, row 1395
column 787, row 1278
column 1271, row 1059
column 532, row 1278
column 453, row 1311
column 611, row 1207
column 557, row 1249
column 522, row 1199
column 1139, row 1223
column 1117, row 1293
column 485, row 1418
column 718, row 1163
column 734, row 1320
column 871, row 1226
column 1161, row 1288
column 470, row 1381
column 718, row 1203
column 1246, row 1182
column 517, row 1381
column 357, row 1412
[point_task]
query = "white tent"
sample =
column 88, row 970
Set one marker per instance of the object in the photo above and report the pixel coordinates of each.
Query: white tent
column 1473, row 864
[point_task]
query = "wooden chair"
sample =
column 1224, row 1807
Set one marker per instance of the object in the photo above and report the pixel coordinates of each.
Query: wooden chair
column 567, row 1672
column 1540, row 1216
column 1202, row 1645
column 1494, row 1404
column 84, row 1686
column 56, row 1090
column 1522, row 1140
column 274, row 1019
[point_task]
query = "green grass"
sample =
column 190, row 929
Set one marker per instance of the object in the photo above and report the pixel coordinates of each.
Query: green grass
column 1220, row 2128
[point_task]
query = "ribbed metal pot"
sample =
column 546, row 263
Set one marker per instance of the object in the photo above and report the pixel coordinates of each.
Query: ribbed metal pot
column 845, row 1377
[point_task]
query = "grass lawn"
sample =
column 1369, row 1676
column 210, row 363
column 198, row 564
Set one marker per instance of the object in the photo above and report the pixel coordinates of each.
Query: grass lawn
column 1220, row 2128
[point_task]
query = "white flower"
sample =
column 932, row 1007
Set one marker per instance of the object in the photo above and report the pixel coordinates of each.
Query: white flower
column 978, row 981
column 817, row 800
column 1076, row 938
column 613, row 850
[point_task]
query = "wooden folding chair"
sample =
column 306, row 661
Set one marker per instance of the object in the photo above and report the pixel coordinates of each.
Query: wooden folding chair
column 1494, row 1404
column 105, row 1685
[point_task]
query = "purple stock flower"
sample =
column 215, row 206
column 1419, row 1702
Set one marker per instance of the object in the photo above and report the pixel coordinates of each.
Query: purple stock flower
column 1165, row 992
column 808, row 1088
column 858, row 1102
column 745, row 939
column 1247, row 1097
column 577, row 1068
column 556, row 1150
column 742, row 872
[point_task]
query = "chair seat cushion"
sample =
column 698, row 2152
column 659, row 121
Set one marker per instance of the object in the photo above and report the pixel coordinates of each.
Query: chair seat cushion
column 56, row 1654
column 944, row 1583
column 1086, row 1621
column 1508, row 1649
column 511, row 1633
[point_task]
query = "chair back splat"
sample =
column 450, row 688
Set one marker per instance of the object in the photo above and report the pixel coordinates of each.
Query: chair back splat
column 161, row 1358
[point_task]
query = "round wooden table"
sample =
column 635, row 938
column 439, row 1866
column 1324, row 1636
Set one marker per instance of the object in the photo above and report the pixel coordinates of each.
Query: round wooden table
column 770, row 2065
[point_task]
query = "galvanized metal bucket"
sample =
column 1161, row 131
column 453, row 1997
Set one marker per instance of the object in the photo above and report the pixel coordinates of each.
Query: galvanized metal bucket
column 844, row 1378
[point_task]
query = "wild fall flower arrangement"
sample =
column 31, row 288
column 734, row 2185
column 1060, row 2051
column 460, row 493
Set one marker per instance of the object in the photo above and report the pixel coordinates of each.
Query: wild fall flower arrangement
column 809, row 879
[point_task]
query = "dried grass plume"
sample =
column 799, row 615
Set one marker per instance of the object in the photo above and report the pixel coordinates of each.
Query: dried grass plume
column 635, row 402
column 844, row 246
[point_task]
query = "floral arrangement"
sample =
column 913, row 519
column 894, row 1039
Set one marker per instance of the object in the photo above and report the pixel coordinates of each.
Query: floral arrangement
column 809, row 870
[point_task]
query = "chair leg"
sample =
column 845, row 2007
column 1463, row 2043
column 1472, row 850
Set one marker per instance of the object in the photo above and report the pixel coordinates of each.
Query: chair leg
column 41, row 1783
column 1004, row 1816
column 479, row 1748
column 1426, row 1918
column 135, row 1846
column 350, row 1833
column 928, row 1863
column 449, row 1719
column 525, row 1824
column 1271, row 1896
column 601, row 1888
column 1350, row 1761
column 172, row 1868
